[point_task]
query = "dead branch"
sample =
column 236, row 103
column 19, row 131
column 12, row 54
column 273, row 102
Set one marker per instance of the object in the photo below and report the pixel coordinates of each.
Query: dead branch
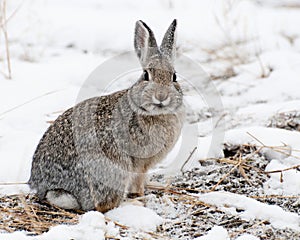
column 4, row 30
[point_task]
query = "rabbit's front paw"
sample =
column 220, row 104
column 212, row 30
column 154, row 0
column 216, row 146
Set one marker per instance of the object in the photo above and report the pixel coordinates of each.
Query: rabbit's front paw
column 134, row 202
column 135, row 195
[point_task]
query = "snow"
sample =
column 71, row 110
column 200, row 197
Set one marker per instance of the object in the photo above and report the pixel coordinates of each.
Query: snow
column 91, row 226
column 285, row 183
column 247, row 237
column 252, row 209
column 265, row 135
column 55, row 45
column 138, row 217
column 216, row 232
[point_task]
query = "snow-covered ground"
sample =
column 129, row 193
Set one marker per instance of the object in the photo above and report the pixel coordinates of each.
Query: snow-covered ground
column 250, row 48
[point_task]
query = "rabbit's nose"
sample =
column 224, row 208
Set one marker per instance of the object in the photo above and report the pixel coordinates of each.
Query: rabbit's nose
column 161, row 99
column 161, row 96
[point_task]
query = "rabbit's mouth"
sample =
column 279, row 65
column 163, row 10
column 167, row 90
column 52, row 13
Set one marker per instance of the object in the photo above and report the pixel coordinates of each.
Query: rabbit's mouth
column 156, row 108
column 159, row 105
column 143, row 109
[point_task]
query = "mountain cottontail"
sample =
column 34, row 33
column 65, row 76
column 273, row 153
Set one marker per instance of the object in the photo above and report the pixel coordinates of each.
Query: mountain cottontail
column 101, row 149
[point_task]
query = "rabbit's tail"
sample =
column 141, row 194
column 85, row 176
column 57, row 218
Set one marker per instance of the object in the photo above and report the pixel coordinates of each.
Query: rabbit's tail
column 62, row 199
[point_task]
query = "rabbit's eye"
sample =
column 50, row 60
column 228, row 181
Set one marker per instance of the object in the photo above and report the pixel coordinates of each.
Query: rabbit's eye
column 174, row 77
column 146, row 75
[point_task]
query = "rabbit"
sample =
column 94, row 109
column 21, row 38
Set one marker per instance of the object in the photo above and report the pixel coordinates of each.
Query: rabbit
column 98, row 152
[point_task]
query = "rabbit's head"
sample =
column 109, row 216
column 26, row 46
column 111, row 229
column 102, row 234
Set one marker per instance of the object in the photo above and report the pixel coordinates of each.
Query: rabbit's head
column 156, row 91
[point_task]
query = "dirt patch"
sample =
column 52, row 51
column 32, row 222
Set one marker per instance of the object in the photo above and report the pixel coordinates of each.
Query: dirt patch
column 286, row 120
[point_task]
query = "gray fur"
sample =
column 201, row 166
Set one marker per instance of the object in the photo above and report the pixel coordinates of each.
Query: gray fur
column 144, row 42
column 101, row 149
column 168, row 47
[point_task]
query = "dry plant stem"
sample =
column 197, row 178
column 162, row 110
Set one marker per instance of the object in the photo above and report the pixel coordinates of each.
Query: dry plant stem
column 277, row 149
column 11, row 15
column 264, row 73
column 283, row 170
column 4, row 29
column 31, row 214
column 228, row 9
column 157, row 236
column 29, row 101
column 12, row 183
column 177, row 189
column 273, row 196
column 242, row 172
column 220, row 119
column 227, row 174
column 111, row 237
column 116, row 223
column 28, row 216
column 182, row 196
column 256, row 139
column 188, row 159
column 245, row 230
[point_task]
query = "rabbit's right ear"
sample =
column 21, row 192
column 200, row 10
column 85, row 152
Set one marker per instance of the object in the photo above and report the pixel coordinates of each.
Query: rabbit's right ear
column 168, row 45
column 144, row 42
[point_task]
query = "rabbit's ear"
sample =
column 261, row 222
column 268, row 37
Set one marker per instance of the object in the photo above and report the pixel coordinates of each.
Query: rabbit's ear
column 168, row 45
column 144, row 42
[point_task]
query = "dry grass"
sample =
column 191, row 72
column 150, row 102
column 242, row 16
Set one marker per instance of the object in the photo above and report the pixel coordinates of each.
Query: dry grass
column 24, row 212
column 238, row 45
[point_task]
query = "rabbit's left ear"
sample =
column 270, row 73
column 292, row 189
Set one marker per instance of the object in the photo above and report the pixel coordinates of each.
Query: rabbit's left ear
column 144, row 42
column 168, row 45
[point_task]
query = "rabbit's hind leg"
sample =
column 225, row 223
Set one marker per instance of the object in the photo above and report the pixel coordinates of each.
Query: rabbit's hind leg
column 62, row 199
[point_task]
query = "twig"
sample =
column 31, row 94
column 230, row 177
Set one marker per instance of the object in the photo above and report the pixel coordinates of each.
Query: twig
column 29, row 101
column 4, row 29
column 256, row 139
column 283, row 170
column 220, row 119
column 5, row 21
column 226, row 175
column 263, row 74
column 277, row 149
column 188, row 159
column 13, row 183
column 273, row 196
column 245, row 230
column 117, row 223
column 32, row 217
column 242, row 171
